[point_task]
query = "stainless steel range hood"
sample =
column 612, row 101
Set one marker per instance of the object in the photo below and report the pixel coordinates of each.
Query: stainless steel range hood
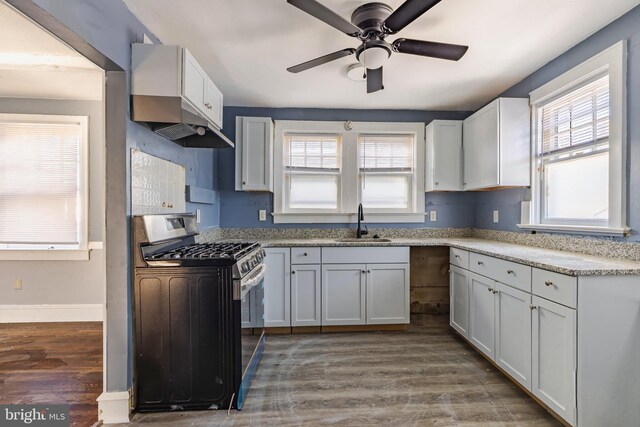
column 173, row 118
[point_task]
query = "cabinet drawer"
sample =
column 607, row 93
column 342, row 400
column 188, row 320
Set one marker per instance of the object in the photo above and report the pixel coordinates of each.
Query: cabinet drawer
column 365, row 255
column 507, row 272
column 556, row 287
column 459, row 257
column 305, row 255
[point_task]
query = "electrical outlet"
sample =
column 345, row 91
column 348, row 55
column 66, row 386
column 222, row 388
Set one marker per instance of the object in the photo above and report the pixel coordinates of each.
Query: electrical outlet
column 262, row 215
column 496, row 216
column 433, row 216
column 198, row 216
column 17, row 284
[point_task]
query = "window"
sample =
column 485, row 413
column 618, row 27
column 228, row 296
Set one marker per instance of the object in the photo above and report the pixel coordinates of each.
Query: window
column 579, row 145
column 324, row 169
column 312, row 172
column 42, row 182
column 386, row 171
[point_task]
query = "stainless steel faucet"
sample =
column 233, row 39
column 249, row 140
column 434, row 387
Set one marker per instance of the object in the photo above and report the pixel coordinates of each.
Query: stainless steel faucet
column 360, row 232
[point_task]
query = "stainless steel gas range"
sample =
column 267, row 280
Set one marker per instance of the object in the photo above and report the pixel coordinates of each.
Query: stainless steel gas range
column 198, row 316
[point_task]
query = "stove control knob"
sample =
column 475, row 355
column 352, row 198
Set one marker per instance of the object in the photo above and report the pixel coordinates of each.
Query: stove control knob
column 244, row 268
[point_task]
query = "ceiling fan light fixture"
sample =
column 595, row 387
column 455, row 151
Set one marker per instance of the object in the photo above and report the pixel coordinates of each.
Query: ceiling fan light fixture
column 356, row 72
column 374, row 57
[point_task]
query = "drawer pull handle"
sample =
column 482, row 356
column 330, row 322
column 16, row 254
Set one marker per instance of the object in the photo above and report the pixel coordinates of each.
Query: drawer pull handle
column 363, row 271
column 510, row 272
column 480, row 263
column 495, row 291
column 457, row 256
column 490, row 289
column 304, row 254
column 532, row 307
column 548, row 283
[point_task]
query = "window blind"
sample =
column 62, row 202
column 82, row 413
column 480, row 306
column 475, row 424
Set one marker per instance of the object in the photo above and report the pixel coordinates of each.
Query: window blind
column 319, row 153
column 577, row 119
column 386, row 153
column 39, row 183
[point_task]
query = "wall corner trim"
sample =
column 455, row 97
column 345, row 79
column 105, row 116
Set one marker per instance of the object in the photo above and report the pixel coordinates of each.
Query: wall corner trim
column 113, row 407
column 51, row 313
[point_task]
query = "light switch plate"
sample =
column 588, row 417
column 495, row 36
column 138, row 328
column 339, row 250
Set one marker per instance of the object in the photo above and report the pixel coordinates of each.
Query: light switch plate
column 433, row 216
column 496, row 216
column 198, row 216
column 262, row 215
column 17, row 284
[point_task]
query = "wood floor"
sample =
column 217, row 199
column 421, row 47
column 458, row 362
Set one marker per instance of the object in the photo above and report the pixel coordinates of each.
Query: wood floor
column 423, row 377
column 53, row 363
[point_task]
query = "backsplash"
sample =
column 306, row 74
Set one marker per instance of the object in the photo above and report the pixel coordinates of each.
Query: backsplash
column 330, row 233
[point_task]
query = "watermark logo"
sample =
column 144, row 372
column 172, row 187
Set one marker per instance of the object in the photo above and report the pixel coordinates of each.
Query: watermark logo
column 34, row 415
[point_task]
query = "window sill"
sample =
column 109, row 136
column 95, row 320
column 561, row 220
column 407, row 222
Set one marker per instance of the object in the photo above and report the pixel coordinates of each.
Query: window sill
column 578, row 229
column 44, row 255
column 348, row 218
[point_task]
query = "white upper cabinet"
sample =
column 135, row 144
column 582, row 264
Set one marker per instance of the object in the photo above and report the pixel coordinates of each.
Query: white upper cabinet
column 254, row 154
column 496, row 148
column 171, row 71
column 444, row 156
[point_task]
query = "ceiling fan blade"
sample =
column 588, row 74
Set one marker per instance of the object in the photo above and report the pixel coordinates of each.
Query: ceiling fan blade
column 321, row 60
column 326, row 15
column 452, row 52
column 408, row 12
column 374, row 80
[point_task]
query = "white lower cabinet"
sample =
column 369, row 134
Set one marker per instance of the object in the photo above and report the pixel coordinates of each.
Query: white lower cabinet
column 459, row 300
column 343, row 294
column 387, row 293
column 554, row 357
column 482, row 314
column 277, row 288
column 513, row 333
column 305, row 295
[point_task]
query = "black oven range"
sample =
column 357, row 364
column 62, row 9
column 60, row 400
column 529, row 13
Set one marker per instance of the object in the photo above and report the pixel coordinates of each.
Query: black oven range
column 199, row 333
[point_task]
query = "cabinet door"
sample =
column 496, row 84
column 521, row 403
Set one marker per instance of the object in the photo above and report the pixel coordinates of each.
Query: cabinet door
column 481, row 148
column 257, row 154
column 305, row 295
column 444, row 156
column 459, row 305
column 482, row 314
column 343, row 294
column 387, row 293
column 513, row 333
column 277, row 288
column 554, row 357
column 194, row 82
column 213, row 103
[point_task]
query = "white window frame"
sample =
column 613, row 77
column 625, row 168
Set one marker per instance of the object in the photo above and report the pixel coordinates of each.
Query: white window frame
column 349, row 179
column 64, row 252
column 611, row 62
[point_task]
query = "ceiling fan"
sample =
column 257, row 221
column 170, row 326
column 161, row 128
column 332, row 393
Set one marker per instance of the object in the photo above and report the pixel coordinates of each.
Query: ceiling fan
column 371, row 23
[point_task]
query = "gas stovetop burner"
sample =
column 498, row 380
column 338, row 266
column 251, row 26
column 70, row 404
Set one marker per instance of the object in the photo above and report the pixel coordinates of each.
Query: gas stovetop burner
column 230, row 251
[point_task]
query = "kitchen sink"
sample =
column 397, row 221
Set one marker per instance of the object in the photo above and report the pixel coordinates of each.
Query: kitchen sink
column 363, row 240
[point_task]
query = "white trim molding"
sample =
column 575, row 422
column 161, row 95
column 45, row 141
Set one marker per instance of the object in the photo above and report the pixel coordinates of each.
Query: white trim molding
column 113, row 407
column 51, row 313
column 613, row 63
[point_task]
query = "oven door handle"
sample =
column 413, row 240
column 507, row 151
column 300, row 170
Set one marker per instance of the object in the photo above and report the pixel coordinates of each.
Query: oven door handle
column 241, row 287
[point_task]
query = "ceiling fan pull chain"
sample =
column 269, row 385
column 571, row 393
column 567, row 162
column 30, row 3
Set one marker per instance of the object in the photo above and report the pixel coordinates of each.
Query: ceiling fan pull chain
column 364, row 60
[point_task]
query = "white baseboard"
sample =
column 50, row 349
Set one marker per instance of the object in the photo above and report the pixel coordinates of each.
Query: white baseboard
column 113, row 407
column 51, row 313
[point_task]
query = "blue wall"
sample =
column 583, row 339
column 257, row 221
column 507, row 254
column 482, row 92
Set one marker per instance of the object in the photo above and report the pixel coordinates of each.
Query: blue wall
column 240, row 209
column 627, row 27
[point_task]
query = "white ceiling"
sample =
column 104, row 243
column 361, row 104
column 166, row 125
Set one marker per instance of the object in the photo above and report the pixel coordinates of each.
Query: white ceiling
column 246, row 46
column 35, row 64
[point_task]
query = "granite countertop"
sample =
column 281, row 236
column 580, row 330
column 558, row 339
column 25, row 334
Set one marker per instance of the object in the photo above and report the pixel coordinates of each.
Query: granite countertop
column 570, row 263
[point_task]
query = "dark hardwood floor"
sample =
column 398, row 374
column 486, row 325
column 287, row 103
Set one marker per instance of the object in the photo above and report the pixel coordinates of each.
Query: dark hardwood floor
column 53, row 363
column 423, row 377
